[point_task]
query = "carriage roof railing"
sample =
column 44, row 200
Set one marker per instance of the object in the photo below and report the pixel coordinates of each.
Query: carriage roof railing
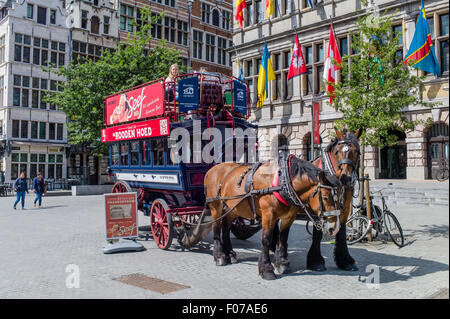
column 171, row 108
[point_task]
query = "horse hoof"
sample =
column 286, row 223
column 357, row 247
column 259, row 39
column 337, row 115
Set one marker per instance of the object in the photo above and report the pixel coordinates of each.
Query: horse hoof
column 350, row 267
column 268, row 275
column 319, row 267
column 221, row 261
column 283, row 269
column 234, row 259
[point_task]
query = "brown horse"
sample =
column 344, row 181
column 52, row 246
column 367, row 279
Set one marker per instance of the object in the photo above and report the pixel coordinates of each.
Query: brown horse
column 340, row 159
column 223, row 186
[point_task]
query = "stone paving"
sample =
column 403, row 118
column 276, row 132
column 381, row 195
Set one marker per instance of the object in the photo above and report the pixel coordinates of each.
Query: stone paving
column 40, row 246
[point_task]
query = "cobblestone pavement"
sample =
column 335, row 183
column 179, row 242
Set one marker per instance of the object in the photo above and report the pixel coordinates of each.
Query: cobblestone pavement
column 37, row 245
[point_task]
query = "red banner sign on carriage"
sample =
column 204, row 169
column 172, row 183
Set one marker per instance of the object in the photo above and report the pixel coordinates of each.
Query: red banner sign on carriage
column 151, row 128
column 141, row 103
column 316, row 124
column 121, row 209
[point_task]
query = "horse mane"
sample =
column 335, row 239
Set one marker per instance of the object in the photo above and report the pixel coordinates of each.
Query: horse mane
column 349, row 136
column 300, row 167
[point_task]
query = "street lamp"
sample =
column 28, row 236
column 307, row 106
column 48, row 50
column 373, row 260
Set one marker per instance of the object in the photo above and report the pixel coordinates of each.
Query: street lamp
column 189, row 66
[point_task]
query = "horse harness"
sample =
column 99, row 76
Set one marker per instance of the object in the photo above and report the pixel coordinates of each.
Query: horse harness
column 281, row 188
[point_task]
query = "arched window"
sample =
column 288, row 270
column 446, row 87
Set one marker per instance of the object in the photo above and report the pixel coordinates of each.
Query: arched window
column 95, row 25
column 216, row 18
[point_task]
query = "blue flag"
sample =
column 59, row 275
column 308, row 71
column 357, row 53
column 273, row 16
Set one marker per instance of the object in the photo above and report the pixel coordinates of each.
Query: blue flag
column 421, row 50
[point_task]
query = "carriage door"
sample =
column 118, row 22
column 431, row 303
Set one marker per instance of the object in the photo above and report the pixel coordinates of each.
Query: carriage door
column 437, row 148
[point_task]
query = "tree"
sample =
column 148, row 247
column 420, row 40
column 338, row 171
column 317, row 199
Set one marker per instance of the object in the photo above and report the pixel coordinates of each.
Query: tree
column 88, row 82
column 376, row 87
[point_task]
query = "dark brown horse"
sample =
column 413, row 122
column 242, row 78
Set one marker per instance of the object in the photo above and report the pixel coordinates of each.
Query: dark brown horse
column 340, row 159
column 223, row 186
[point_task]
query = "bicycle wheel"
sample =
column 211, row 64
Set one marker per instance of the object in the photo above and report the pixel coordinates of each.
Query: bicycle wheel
column 442, row 175
column 393, row 228
column 357, row 228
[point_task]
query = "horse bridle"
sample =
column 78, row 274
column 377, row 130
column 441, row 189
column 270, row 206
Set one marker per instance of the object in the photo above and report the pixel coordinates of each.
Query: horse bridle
column 345, row 149
column 319, row 222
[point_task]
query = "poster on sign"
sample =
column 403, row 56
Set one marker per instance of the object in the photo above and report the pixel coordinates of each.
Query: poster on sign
column 121, row 212
column 141, row 103
column 188, row 94
column 316, row 123
column 151, row 128
column 240, row 97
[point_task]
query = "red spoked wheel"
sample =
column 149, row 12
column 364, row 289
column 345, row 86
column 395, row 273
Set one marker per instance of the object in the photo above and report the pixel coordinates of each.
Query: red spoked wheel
column 161, row 223
column 121, row 187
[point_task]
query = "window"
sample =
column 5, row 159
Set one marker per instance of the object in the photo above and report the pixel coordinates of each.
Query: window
column 60, row 132
column 30, row 11
column 210, row 46
column 34, row 130
column 1, row 90
column 105, row 25
column 51, row 131
column 84, row 19
column 134, row 153
column 282, row 90
column 157, row 147
column 259, row 11
column 15, row 128
column 226, row 17
column 24, row 129
column 156, row 30
column 198, row 44
column 206, row 12
column 249, row 14
column 42, row 15
column 124, row 154
column 95, row 25
column 216, row 18
column 287, row 6
column 169, row 29
column 2, row 49
column 343, row 45
column 114, row 154
column 126, row 18
column 42, row 131
column 182, row 32
column 221, row 51
column 443, row 42
column 397, row 31
column 53, row 16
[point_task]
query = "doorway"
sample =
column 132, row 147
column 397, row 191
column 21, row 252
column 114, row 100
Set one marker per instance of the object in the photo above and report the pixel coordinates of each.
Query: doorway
column 437, row 148
column 393, row 159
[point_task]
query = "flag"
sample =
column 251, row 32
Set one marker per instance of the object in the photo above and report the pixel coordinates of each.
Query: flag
column 269, row 8
column 310, row 4
column 329, row 72
column 240, row 71
column 297, row 62
column 421, row 49
column 240, row 5
column 265, row 75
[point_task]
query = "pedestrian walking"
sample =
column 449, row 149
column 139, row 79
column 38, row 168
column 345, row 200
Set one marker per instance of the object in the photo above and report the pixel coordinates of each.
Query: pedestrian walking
column 39, row 189
column 20, row 187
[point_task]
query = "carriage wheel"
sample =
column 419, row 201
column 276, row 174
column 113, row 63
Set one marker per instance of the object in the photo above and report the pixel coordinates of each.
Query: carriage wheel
column 161, row 223
column 244, row 228
column 121, row 187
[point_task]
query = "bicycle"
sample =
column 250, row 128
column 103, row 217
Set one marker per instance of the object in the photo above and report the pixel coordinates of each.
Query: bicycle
column 383, row 220
column 442, row 173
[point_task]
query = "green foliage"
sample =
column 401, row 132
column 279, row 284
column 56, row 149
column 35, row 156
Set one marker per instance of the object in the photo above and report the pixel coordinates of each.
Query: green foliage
column 87, row 82
column 377, row 87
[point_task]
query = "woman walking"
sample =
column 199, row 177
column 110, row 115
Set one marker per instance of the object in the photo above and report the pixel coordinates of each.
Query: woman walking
column 21, row 186
column 38, row 189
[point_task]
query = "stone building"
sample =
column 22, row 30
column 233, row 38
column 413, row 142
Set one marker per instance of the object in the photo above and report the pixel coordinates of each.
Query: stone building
column 95, row 25
column 32, row 132
column 285, row 117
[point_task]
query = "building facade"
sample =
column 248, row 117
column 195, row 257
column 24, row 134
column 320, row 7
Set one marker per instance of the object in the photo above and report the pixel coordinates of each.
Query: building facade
column 286, row 114
column 33, row 135
column 200, row 30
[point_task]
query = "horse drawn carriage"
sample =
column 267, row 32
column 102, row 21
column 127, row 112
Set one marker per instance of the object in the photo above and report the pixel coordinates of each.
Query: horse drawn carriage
column 146, row 158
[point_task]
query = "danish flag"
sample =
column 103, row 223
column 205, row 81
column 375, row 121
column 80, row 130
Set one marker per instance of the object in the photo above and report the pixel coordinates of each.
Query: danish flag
column 297, row 62
column 329, row 72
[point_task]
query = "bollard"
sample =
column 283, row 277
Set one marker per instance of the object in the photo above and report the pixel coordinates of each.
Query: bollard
column 368, row 205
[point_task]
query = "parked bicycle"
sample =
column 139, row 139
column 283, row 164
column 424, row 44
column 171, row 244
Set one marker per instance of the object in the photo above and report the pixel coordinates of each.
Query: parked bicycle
column 383, row 221
column 442, row 173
